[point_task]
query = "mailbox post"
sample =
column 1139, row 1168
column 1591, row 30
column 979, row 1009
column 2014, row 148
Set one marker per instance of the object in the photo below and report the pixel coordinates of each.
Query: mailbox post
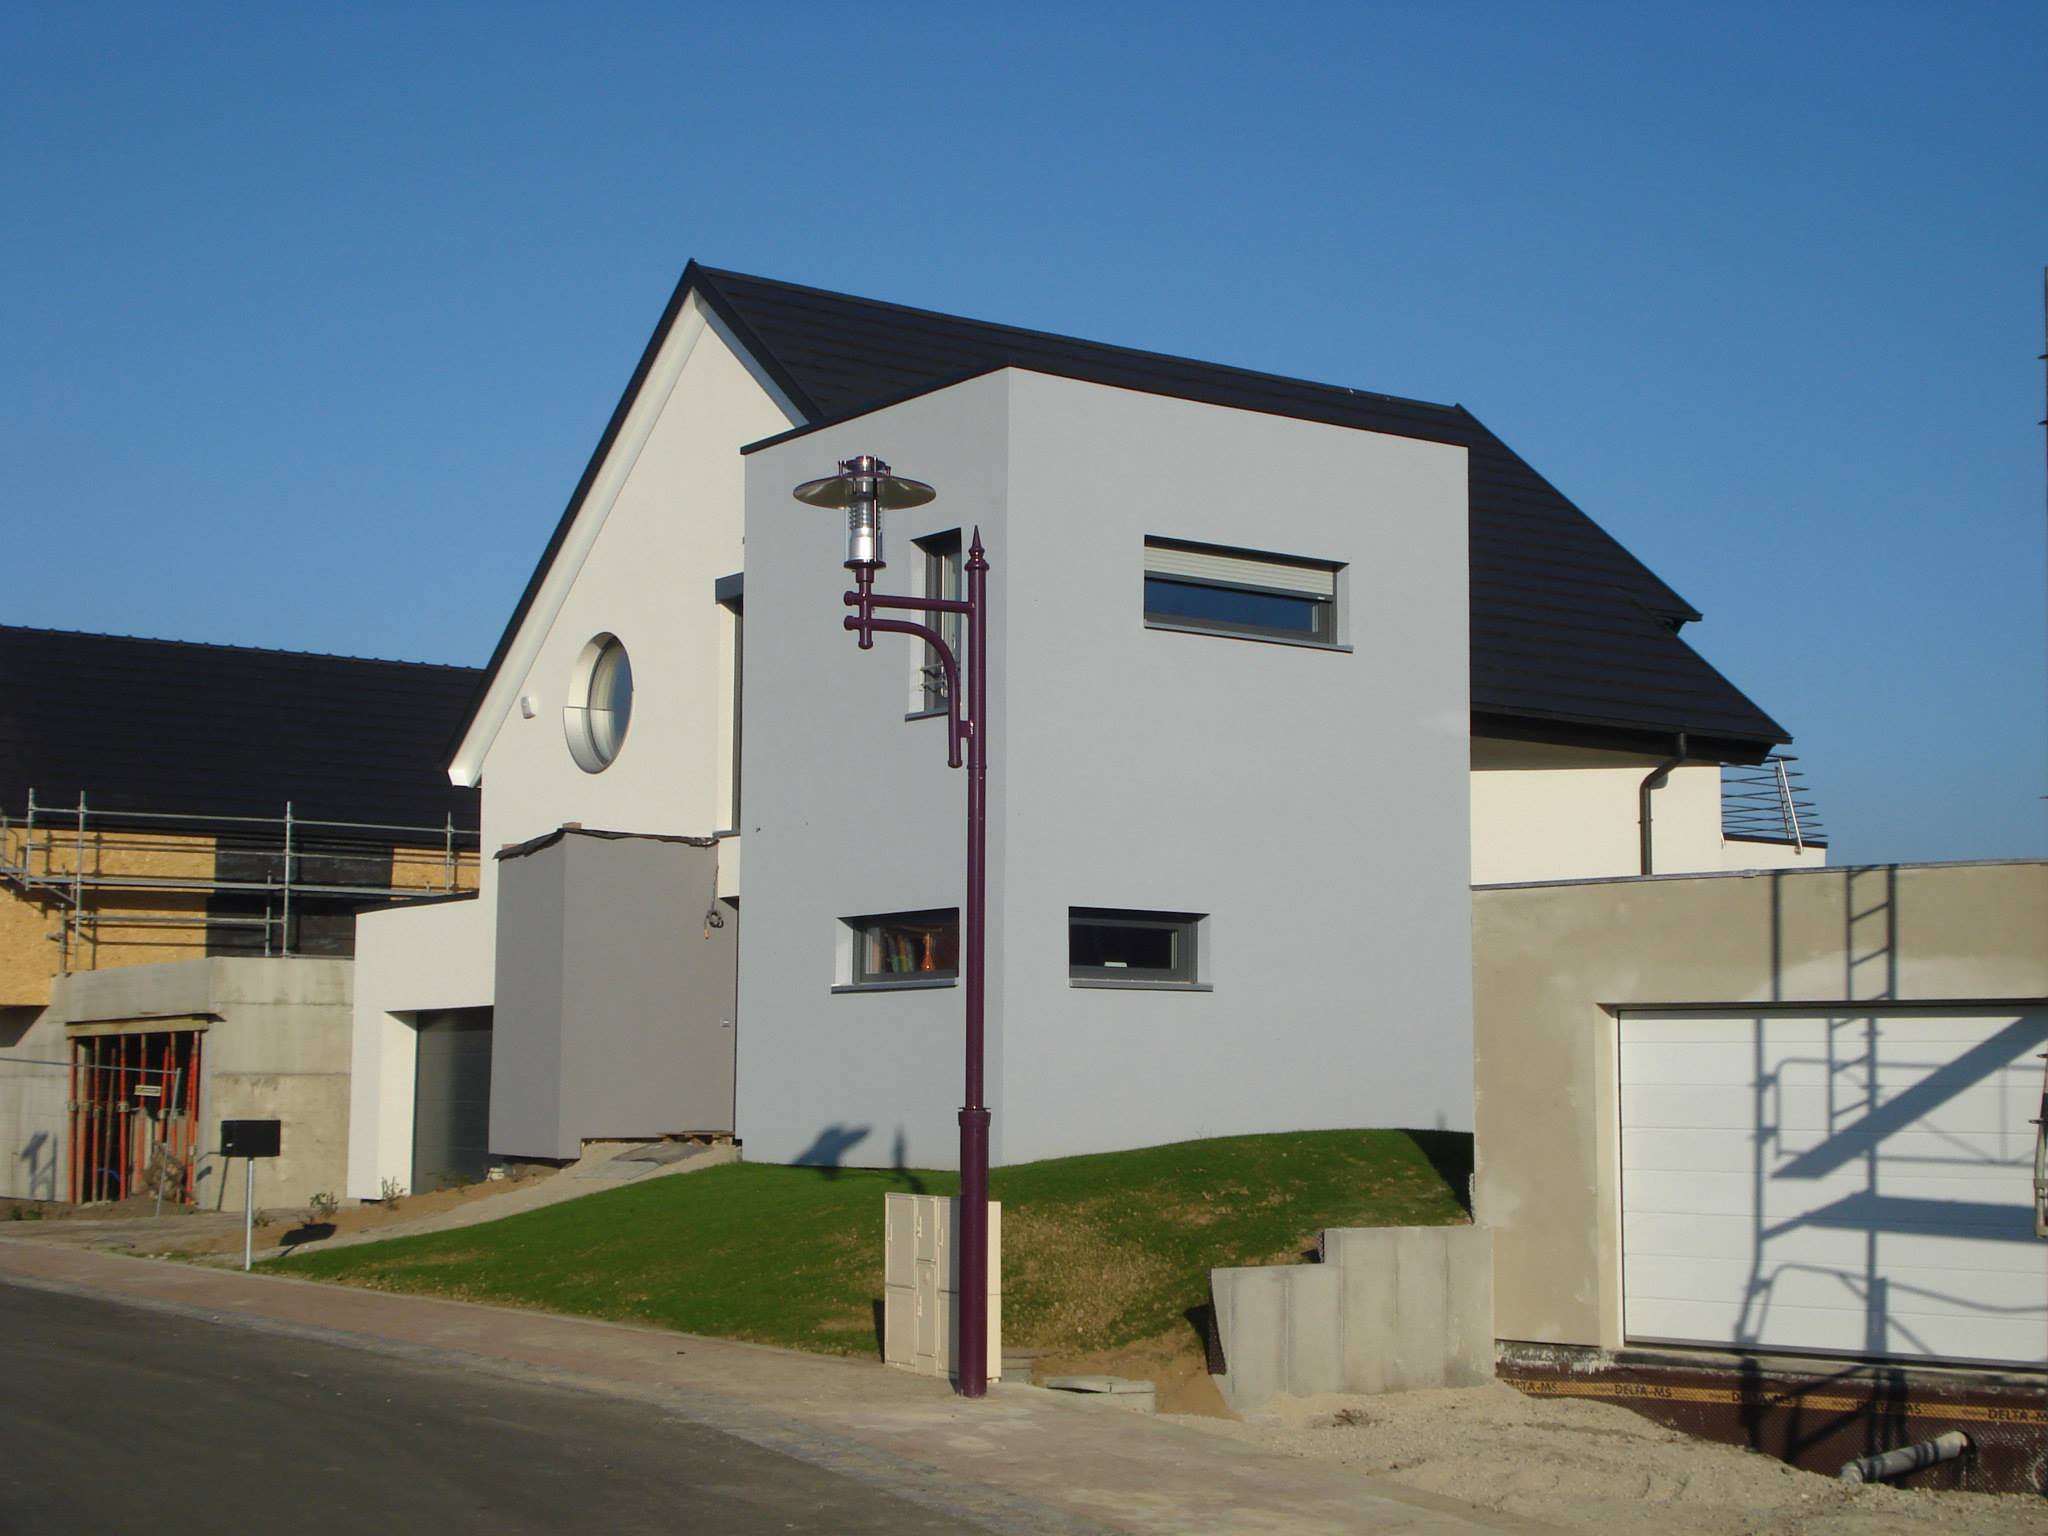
column 249, row 1140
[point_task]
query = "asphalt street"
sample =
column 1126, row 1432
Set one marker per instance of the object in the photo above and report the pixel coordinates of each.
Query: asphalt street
column 115, row 1419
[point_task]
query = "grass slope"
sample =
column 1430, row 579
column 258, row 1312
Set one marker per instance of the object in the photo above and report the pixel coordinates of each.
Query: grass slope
column 1098, row 1251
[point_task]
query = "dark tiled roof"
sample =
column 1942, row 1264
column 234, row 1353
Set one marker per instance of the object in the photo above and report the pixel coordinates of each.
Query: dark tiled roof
column 214, row 730
column 1571, row 634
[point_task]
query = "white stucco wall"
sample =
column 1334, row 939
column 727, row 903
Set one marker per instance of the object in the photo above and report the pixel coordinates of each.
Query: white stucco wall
column 408, row 960
column 1312, row 803
column 1543, row 812
column 672, row 531
column 661, row 524
column 1738, row 854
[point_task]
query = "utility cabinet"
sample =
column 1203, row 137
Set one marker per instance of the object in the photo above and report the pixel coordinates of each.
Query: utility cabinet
column 921, row 1277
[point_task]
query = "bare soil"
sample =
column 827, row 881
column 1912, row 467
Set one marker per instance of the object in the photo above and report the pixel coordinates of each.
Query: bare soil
column 1589, row 1466
column 280, row 1226
column 272, row 1226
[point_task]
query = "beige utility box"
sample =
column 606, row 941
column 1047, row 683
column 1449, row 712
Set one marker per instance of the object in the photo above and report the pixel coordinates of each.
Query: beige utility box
column 921, row 1280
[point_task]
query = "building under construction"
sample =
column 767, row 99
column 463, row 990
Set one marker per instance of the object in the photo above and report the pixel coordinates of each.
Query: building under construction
column 186, row 835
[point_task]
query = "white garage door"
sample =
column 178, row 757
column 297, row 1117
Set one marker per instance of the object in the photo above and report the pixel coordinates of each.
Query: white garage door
column 1835, row 1182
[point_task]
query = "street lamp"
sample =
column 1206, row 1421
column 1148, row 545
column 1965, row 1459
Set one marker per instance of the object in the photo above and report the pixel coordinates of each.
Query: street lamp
column 864, row 489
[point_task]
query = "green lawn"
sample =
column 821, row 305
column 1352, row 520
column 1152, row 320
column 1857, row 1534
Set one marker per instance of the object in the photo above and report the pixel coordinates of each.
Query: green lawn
column 1098, row 1252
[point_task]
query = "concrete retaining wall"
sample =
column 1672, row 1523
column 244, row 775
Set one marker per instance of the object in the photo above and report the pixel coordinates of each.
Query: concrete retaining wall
column 275, row 1045
column 1389, row 1309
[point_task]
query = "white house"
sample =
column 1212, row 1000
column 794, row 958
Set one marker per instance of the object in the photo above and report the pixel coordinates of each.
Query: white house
column 1278, row 671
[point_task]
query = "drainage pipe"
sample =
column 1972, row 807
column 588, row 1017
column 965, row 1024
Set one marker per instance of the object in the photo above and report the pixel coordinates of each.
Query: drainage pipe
column 1654, row 779
column 1908, row 1458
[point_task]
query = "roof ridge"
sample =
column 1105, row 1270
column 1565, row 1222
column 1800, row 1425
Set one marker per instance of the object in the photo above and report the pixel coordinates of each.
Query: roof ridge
column 1028, row 333
column 247, row 650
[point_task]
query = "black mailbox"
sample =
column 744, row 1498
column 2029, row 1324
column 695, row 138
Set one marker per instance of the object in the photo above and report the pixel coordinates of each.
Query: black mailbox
column 250, row 1138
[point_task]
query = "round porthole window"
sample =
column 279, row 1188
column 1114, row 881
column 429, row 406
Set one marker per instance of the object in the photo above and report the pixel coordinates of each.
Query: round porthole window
column 601, row 706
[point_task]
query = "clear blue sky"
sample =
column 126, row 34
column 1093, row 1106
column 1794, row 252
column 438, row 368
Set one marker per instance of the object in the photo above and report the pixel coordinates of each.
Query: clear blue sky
column 310, row 316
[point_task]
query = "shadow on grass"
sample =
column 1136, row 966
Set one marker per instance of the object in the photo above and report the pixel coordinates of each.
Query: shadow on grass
column 1450, row 1154
column 309, row 1232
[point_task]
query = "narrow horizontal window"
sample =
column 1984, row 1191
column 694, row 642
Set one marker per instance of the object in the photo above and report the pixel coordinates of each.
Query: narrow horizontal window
column 1109, row 944
column 1202, row 586
column 906, row 946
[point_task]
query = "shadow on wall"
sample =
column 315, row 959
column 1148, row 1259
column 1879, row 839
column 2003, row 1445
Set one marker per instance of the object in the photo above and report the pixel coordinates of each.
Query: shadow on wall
column 828, row 1149
column 40, row 1153
column 1450, row 1154
column 15, row 1022
column 1854, row 1114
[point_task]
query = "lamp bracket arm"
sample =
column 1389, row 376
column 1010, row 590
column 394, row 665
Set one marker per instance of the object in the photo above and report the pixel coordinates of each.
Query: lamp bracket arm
column 863, row 625
column 911, row 604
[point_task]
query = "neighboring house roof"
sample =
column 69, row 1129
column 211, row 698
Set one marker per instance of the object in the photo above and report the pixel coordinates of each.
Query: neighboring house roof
column 170, row 727
column 1572, row 636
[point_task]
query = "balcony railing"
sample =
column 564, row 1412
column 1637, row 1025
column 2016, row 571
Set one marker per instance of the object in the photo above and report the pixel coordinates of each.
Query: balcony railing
column 1769, row 802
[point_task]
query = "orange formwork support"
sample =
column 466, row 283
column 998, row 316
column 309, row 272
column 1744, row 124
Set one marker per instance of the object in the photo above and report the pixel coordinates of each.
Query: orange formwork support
column 191, row 1113
column 71, row 1127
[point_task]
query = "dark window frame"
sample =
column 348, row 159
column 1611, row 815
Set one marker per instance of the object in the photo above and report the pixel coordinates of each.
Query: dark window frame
column 862, row 928
column 1185, row 971
column 1323, row 618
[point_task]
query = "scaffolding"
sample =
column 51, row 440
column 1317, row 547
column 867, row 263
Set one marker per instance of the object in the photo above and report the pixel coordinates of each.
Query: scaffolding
column 58, row 857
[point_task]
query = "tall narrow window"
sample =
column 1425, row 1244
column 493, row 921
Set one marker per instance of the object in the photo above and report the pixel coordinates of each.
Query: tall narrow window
column 941, row 579
column 739, row 680
column 730, row 592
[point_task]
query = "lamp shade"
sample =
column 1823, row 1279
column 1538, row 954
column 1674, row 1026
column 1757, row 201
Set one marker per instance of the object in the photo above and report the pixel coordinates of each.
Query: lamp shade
column 864, row 488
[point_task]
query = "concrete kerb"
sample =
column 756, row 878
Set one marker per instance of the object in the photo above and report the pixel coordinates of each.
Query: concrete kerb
column 1021, row 1460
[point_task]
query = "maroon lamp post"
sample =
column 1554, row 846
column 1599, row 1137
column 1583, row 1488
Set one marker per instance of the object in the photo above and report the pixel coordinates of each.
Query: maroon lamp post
column 864, row 489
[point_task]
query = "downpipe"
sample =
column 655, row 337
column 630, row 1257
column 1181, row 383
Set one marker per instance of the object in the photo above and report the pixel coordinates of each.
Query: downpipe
column 1654, row 779
column 1907, row 1458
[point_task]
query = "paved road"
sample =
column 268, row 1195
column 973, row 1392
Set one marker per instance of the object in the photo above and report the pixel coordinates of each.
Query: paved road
column 114, row 1419
column 517, row 1420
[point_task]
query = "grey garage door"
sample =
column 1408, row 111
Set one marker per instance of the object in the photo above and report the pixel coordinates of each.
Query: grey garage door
column 451, row 1117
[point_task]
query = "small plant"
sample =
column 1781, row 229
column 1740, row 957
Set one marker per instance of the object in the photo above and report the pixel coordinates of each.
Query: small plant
column 391, row 1192
column 321, row 1208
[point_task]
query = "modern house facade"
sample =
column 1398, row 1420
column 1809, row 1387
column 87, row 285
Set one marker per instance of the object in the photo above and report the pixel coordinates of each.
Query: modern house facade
column 1278, row 669
column 1143, row 771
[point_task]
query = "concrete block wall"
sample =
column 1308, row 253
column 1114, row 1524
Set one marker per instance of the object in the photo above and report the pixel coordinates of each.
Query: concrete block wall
column 1390, row 1309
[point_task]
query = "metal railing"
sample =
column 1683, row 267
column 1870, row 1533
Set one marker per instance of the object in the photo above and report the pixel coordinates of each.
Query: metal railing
column 1770, row 802
column 60, row 855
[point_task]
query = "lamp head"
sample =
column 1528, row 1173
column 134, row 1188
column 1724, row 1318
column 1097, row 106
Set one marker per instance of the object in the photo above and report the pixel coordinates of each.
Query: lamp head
column 864, row 489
